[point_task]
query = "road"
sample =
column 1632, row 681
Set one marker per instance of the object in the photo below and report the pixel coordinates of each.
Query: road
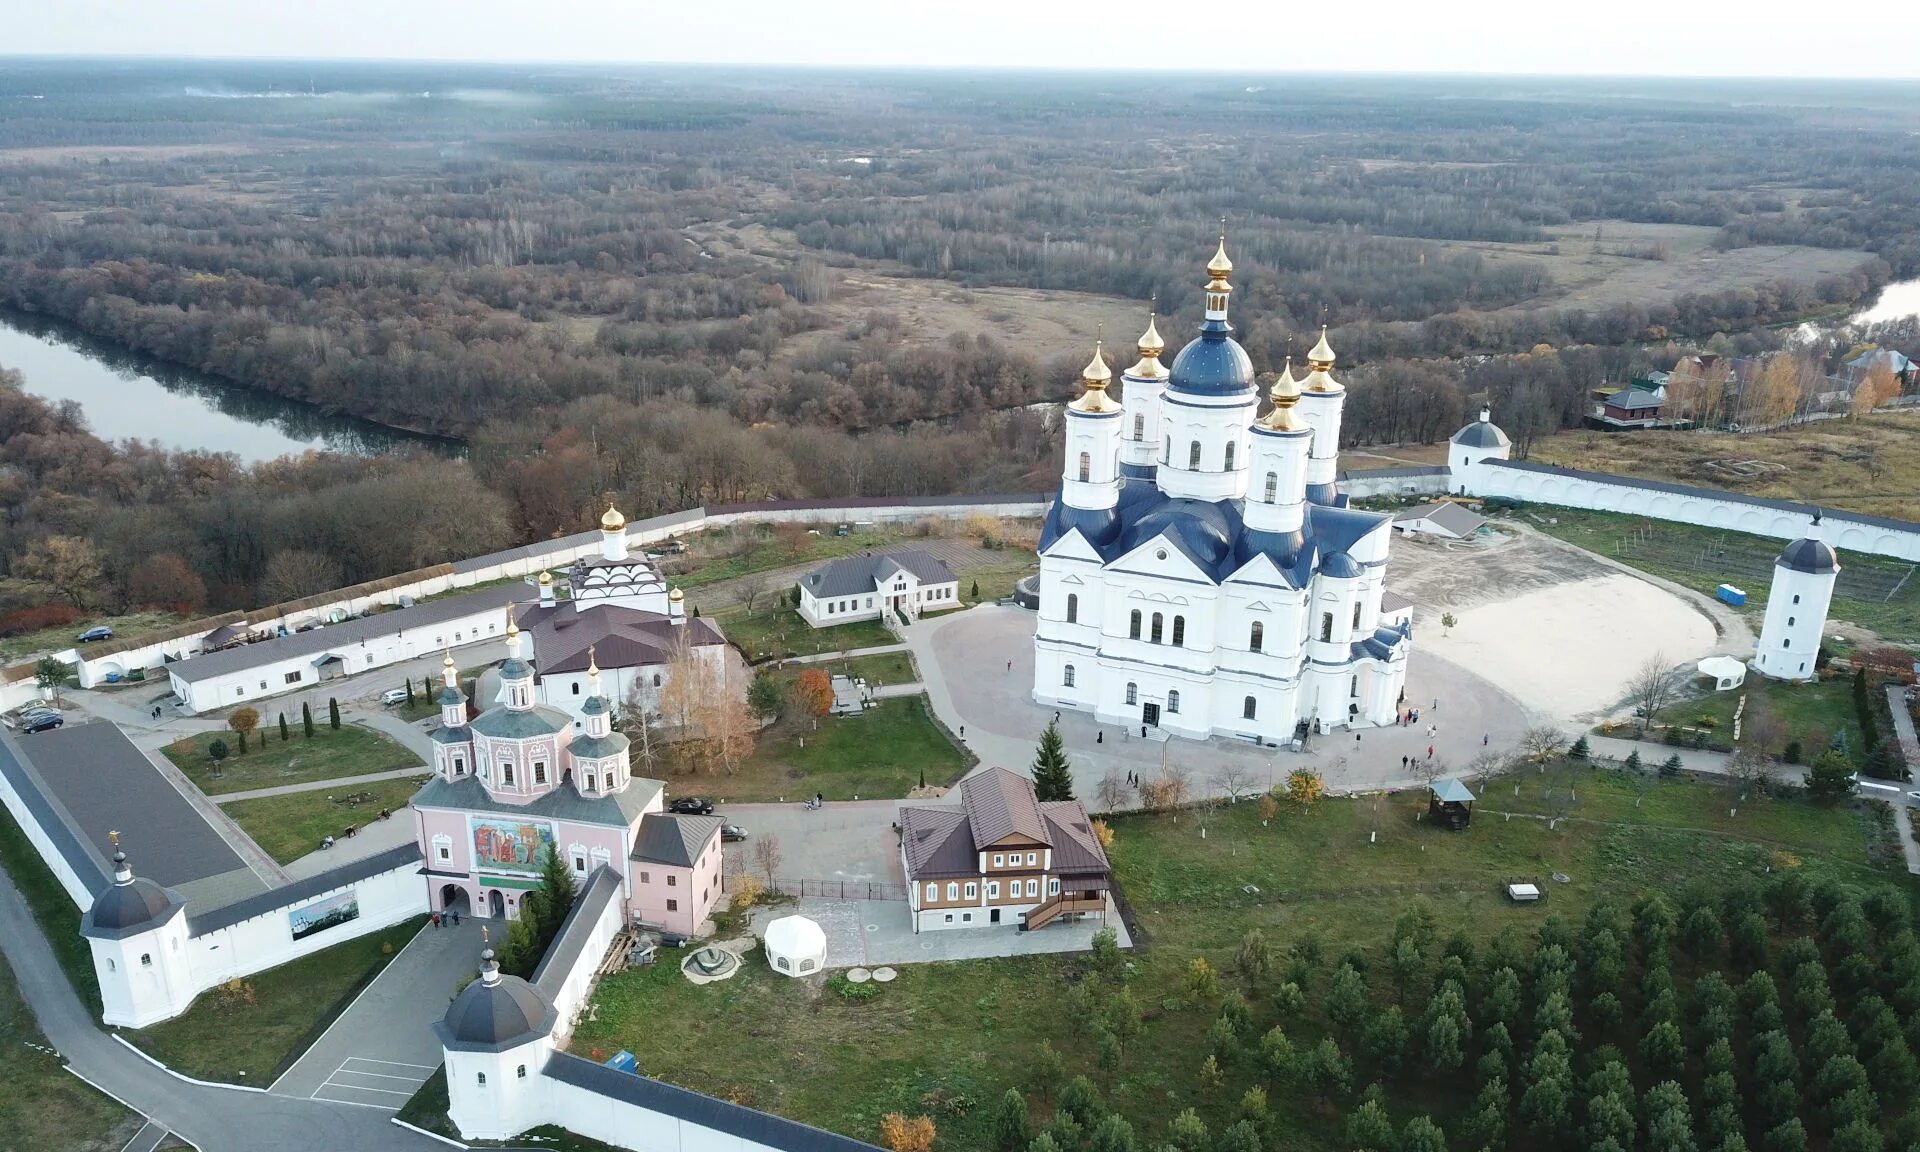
column 213, row 1119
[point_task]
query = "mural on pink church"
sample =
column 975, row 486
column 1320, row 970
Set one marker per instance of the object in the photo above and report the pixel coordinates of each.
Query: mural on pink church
column 510, row 845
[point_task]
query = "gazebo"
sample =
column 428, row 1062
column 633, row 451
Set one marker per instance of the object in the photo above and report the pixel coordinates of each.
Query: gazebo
column 1726, row 672
column 1450, row 805
column 796, row 946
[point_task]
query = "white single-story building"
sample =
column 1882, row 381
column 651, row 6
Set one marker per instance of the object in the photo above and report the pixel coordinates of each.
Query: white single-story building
column 866, row 586
column 1444, row 519
column 235, row 676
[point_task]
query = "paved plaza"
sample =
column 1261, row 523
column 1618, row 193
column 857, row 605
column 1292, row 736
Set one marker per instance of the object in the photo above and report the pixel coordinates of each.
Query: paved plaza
column 863, row 933
column 846, row 841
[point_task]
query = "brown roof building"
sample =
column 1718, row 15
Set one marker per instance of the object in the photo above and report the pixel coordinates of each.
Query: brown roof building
column 1002, row 857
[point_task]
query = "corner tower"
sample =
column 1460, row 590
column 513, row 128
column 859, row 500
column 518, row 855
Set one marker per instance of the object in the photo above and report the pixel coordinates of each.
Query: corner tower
column 1803, row 578
column 1209, row 403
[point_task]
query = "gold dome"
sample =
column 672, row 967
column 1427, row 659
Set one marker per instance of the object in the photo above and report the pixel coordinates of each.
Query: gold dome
column 546, row 579
column 1151, row 345
column 1321, row 358
column 1220, row 267
column 593, row 664
column 448, row 661
column 612, row 521
column 513, row 625
column 1285, row 393
column 1095, row 376
column 676, row 596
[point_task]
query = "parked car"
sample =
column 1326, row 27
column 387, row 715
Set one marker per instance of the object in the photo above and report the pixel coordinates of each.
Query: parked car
column 691, row 806
column 41, row 721
column 732, row 833
column 394, row 696
column 97, row 632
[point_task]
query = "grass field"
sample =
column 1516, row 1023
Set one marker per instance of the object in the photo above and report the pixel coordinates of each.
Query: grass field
column 58, row 917
column 288, row 827
column 885, row 668
column 56, row 639
column 269, row 762
column 1811, row 713
column 248, row 1031
column 950, row 1039
column 44, row 1106
column 877, row 754
column 774, row 629
column 1704, row 558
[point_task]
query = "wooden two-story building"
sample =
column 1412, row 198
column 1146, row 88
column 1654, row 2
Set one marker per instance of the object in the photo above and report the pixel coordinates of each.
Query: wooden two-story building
column 1001, row 857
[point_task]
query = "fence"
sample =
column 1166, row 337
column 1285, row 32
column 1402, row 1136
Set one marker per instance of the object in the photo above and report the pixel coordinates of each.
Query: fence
column 841, row 889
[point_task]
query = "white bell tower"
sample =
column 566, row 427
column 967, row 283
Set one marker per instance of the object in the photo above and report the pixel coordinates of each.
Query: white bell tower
column 1277, row 483
column 1803, row 579
column 1321, row 400
column 1091, row 478
column 1144, row 384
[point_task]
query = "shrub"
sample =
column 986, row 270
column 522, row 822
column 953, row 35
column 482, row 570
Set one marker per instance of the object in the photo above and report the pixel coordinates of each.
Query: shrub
column 1793, row 753
column 1580, row 749
column 24, row 620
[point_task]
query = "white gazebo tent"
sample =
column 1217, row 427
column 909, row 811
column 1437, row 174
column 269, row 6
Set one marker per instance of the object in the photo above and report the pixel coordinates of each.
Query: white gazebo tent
column 796, row 946
column 1726, row 672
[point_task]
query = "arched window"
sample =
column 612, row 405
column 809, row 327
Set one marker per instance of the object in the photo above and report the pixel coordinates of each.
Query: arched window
column 1167, row 456
column 1273, row 486
column 1356, row 617
column 1066, row 676
column 933, row 891
column 1789, row 621
column 1786, row 643
column 1154, row 636
column 1247, row 708
column 1326, row 626
column 1086, row 467
column 1173, row 701
column 483, row 1078
column 1193, row 455
column 1796, row 598
column 521, row 1072
column 1179, row 631
column 1133, row 625
column 1257, row 636
column 1230, row 447
column 1139, row 425
column 1073, row 608
column 1133, row 693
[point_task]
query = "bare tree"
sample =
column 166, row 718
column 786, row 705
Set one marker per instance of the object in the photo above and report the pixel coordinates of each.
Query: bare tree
column 297, row 572
column 752, row 589
column 1112, row 792
column 1651, row 687
column 766, row 854
column 1751, row 766
column 1542, row 743
column 1761, row 727
column 1235, row 780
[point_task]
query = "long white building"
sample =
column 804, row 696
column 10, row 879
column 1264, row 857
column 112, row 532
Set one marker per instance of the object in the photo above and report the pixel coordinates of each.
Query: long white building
column 1200, row 571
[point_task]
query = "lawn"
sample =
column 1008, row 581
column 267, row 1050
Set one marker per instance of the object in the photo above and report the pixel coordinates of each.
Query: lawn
column 775, row 629
column 270, row 761
column 950, row 1039
column 45, row 1106
column 1810, row 713
column 249, row 1031
column 885, row 668
column 1869, row 592
column 288, row 827
column 52, row 907
column 995, row 582
column 879, row 753
column 728, row 554
column 57, row 639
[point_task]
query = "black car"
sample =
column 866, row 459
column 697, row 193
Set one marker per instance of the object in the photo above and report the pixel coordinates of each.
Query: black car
column 41, row 721
column 732, row 833
column 691, row 806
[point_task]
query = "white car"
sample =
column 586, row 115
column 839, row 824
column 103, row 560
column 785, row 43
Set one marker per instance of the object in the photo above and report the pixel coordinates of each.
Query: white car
column 394, row 696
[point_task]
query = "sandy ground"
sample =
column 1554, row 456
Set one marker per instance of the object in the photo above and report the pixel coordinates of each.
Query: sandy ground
column 1568, row 650
column 1558, row 628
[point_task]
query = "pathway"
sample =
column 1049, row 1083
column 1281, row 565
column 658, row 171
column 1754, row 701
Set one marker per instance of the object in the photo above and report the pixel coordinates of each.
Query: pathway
column 383, row 1046
column 373, row 838
column 214, row 1119
column 347, row 782
column 823, row 657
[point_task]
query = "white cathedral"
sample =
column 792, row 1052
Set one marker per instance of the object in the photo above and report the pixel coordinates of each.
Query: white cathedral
column 1200, row 571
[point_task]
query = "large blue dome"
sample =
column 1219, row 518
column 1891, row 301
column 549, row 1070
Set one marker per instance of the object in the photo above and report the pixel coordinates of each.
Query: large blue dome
column 1212, row 365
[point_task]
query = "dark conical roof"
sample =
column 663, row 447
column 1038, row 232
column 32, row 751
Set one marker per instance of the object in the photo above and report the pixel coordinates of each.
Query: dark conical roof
column 497, row 1012
column 130, row 904
column 1809, row 555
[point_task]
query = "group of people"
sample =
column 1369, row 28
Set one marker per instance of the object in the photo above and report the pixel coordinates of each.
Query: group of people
column 451, row 916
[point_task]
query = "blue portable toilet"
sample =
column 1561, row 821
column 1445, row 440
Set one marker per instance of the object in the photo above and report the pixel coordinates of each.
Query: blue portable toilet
column 623, row 1061
column 1732, row 595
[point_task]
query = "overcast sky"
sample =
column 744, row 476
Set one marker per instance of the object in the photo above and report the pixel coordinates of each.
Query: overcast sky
column 1861, row 38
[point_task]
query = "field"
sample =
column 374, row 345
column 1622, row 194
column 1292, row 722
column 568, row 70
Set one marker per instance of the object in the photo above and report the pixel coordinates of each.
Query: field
column 1866, row 465
column 52, row 907
column 45, row 1106
column 886, row 668
column 774, row 629
column 56, row 639
column 1810, row 713
column 248, row 1031
column 950, row 1039
column 270, row 761
column 880, row 753
column 1871, row 591
column 288, row 827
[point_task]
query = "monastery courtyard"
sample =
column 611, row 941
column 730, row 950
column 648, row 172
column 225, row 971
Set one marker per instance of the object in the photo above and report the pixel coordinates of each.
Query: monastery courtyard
column 1544, row 633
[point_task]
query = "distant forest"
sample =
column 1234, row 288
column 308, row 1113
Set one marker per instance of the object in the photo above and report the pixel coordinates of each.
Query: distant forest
column 627, row 281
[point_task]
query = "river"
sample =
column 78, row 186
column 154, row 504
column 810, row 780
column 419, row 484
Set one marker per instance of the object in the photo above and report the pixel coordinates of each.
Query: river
column 126, row 395
column 1896, row 301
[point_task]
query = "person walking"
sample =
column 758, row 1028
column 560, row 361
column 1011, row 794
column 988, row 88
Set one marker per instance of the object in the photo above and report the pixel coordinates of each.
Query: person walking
column 1429, row 751
column 1486, row 738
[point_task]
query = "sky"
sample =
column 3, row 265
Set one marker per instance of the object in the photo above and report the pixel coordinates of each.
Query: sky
column 1850, row 38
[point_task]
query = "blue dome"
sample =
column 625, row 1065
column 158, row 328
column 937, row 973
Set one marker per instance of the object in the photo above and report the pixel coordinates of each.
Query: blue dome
column 1212, row 365
column 1340, row 566
column 1809, row 555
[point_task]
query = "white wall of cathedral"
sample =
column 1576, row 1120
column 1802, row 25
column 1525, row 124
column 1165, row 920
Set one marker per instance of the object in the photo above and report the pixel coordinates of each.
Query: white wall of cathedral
column 1795, row 621
column 1322, row 411
column 1277, row 481
column 1093, row 460
column 1140, row 441
column 1205, row 445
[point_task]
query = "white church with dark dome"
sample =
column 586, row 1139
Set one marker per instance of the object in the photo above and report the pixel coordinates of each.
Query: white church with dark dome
column 1200, row 570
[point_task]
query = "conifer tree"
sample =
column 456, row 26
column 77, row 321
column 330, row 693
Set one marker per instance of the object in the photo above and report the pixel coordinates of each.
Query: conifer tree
column 283, row 727
column 333, row 714
column 1052, row 777
column 306, row 719
column 556, row 895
